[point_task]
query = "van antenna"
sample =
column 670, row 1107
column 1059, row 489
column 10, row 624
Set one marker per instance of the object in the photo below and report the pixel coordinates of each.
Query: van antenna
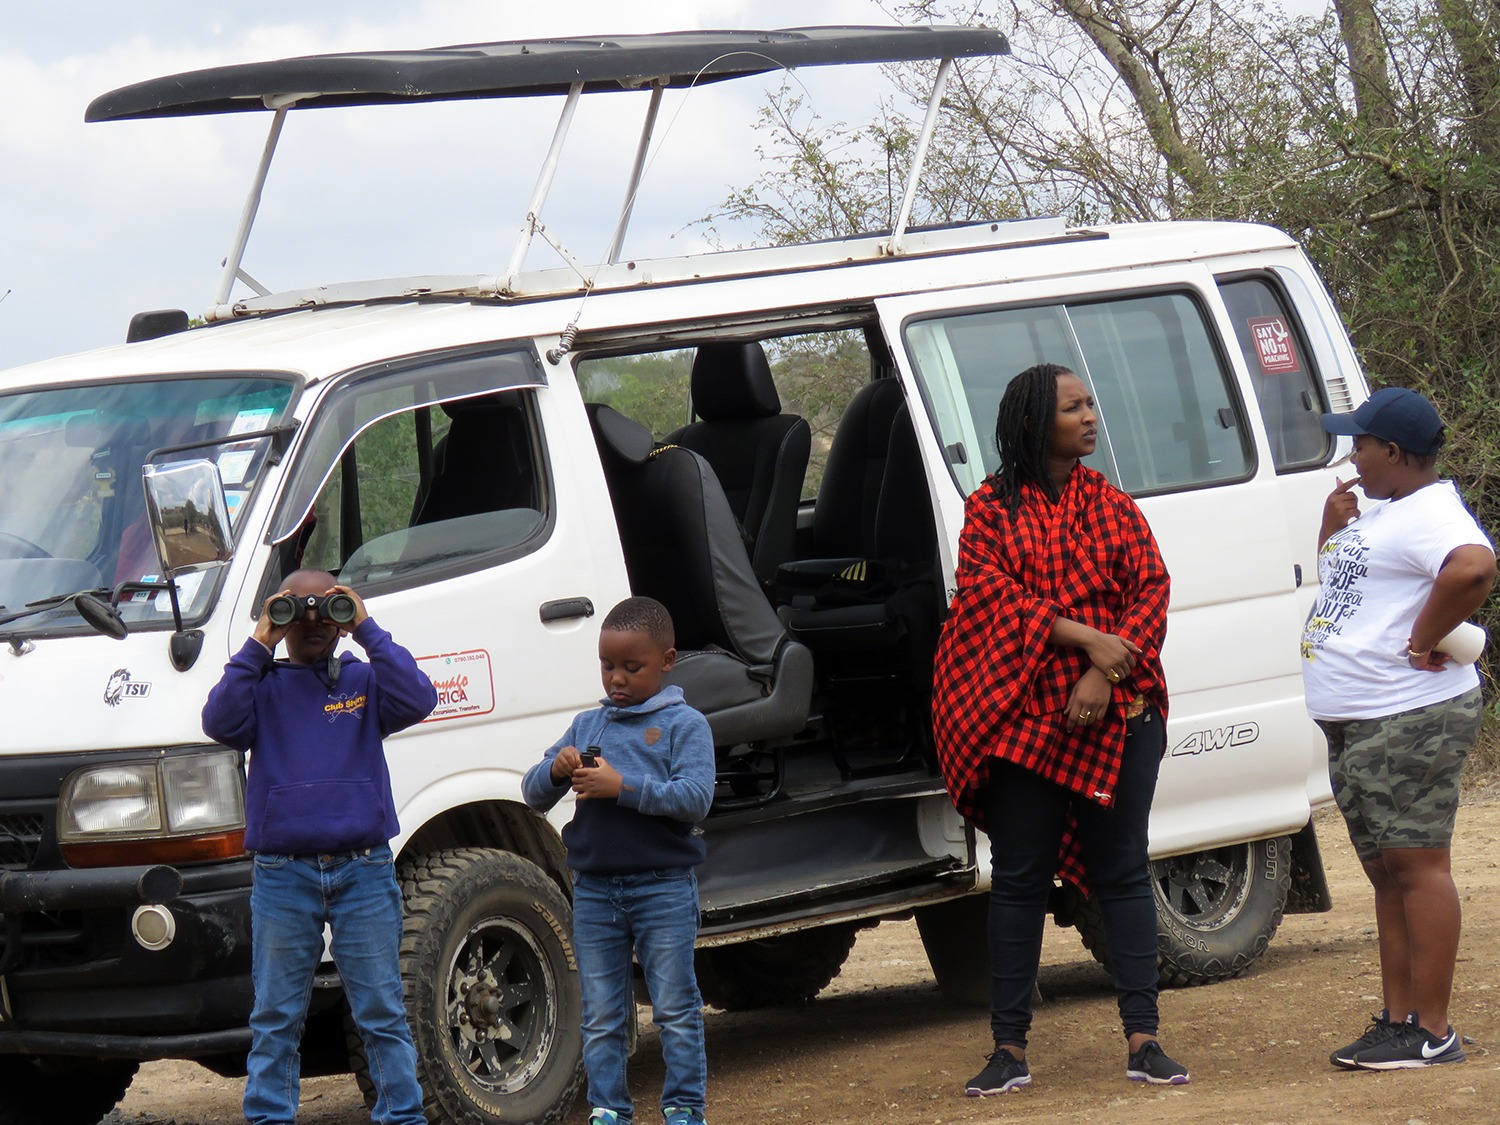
column 638, row 170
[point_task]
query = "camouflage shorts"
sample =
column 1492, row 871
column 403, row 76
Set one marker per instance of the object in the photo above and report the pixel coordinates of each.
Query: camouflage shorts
column 1396, row 778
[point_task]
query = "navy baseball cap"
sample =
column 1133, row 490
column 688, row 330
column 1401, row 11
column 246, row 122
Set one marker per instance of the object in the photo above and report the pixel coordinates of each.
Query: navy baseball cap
column 1393, row 414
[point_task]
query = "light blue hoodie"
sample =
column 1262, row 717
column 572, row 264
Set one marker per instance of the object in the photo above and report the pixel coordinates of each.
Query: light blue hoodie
column 664, row 752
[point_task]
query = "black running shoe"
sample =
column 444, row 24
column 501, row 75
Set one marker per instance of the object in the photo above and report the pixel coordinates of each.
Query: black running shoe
column 1410, row 1047
column 1152, row 1064
column 1381, row 1028
column 1002, row 1074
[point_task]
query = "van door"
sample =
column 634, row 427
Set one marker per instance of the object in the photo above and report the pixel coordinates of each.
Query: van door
column 431, row 488
column 1179, row 433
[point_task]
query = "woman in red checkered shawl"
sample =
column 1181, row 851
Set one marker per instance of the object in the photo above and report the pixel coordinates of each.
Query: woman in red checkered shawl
column 1050, row 708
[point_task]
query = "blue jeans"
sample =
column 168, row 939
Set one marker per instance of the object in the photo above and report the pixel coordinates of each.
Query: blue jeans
column 1027, row 815
column 656, row 914
column 290, row 901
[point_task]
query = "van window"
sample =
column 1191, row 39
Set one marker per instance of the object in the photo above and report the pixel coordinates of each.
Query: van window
column 73, row 513
column 420, row 489
column 1281, row 371
column 1168, row 417
column 816, row 374
column 457, row 485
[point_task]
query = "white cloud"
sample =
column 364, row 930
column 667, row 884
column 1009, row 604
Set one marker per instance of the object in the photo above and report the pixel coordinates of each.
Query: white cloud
column 100, row 221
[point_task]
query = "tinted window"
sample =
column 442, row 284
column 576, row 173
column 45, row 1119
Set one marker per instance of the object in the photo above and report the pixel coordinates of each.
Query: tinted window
column 427, row 491
column 1281, row 371
column 1168, row 417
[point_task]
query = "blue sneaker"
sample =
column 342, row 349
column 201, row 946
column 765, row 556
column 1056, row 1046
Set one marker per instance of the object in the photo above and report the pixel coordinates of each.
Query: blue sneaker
column 1002, row 1073
column 599, row 1116
column 1154, row 1066
column 677, row 1116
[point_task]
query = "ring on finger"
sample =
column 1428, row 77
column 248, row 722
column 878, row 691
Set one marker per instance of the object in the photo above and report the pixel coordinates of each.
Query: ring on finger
column 1112, row 676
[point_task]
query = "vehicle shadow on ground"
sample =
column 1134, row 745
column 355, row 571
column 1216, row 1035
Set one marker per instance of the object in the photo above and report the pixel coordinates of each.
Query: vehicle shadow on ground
column 880, row 1018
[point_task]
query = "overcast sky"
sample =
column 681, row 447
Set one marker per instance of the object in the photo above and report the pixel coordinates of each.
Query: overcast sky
column 100, row 221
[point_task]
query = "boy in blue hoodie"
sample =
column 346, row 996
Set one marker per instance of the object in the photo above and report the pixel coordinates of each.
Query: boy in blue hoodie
column 632, row 849
column 319, row 816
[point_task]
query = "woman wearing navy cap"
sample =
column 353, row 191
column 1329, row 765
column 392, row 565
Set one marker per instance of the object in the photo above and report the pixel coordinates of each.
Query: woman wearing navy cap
column 1400, row 715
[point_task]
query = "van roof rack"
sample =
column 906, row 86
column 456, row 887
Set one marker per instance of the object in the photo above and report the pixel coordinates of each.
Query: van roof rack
column 568, row 67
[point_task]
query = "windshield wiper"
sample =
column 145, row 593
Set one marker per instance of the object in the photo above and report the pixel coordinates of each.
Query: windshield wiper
column 94, row 606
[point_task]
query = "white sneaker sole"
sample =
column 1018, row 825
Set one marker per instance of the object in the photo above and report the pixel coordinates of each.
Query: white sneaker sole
column 1009, row 1088
column 1142, row 1076
column 1413, row 1064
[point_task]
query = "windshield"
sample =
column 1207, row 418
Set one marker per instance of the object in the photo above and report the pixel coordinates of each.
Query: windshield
column 73, row 512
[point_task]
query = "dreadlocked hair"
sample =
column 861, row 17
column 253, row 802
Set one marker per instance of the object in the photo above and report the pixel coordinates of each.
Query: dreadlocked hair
column 1023, row 433
column 642, row 615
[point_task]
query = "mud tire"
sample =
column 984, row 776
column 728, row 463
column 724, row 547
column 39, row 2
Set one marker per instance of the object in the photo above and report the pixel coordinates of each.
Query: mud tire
column 1216, row 910
column 61, row 1091
column 775, row 972
column 474, row 909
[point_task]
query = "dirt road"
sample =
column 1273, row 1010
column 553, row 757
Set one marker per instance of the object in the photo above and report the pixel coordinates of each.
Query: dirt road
column 881, row 1046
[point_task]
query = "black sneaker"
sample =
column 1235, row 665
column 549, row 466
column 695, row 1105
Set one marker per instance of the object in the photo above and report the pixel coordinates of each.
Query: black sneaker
column 1410, row 1047
column 1381, row 1028
column 1002, row 1074
column 1152, row 1064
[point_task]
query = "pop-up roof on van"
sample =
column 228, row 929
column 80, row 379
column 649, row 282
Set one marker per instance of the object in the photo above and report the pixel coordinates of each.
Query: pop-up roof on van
column 531, row 68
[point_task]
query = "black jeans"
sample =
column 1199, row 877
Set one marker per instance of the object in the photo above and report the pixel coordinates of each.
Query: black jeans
column 1027, row 815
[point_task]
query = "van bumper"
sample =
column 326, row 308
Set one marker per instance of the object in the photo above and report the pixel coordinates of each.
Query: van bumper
column 74, row 980
column 24, row 891
column 234, row 1040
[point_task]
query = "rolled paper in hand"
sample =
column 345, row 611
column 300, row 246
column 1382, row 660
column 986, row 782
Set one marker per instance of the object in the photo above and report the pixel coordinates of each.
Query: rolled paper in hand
column 1464, row 644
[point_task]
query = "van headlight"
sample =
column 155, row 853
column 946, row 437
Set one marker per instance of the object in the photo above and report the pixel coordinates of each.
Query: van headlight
column 179, row 808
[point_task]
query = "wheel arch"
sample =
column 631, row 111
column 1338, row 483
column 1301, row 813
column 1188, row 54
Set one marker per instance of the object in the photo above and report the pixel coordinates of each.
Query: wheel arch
column 507, row 825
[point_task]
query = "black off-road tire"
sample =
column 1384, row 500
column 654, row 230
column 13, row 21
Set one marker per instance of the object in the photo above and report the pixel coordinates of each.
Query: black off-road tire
column 955, row 935
column 774, row 972
column 492, row 991
column 1216, row 910
column 61, row 1091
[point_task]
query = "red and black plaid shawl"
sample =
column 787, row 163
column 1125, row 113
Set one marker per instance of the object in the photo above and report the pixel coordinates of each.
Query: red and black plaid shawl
column 1000, row 688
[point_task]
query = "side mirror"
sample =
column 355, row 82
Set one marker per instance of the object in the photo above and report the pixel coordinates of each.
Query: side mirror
column 189, row 520
column 101, row 615
column 190, row 526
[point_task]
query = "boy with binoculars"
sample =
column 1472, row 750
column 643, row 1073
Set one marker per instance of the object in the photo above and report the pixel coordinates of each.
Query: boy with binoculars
column 319, row 817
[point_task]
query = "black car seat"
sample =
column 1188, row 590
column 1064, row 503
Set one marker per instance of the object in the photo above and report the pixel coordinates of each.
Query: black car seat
column 758, row 453
column 870, row 614
column 482, row 464
column 844, row 512
column 870, row 585
column 682, row 547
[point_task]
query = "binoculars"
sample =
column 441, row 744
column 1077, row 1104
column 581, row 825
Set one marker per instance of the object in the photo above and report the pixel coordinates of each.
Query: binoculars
column 283, row 609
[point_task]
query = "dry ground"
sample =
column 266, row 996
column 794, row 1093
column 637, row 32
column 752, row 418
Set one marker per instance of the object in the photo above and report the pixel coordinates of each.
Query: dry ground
column 881, row 1046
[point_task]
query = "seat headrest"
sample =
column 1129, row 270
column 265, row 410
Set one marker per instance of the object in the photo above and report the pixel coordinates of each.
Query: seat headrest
column 481, row 406
column 733, row 381
column 617, row 434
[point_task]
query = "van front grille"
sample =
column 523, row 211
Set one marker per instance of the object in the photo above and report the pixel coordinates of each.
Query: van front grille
column 20, row 837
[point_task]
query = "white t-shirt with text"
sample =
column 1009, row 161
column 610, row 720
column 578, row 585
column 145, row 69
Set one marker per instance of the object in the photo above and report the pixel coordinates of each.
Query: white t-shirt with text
column 1375, row 575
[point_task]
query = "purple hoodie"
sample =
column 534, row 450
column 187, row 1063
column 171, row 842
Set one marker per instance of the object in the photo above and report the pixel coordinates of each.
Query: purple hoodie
column 318, row 780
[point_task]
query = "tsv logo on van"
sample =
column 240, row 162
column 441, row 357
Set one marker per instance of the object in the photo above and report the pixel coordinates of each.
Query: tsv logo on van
column 120, row 686
column 1217, row 738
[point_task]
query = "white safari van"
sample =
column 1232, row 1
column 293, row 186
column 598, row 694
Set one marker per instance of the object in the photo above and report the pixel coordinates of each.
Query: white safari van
column 776, row 443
